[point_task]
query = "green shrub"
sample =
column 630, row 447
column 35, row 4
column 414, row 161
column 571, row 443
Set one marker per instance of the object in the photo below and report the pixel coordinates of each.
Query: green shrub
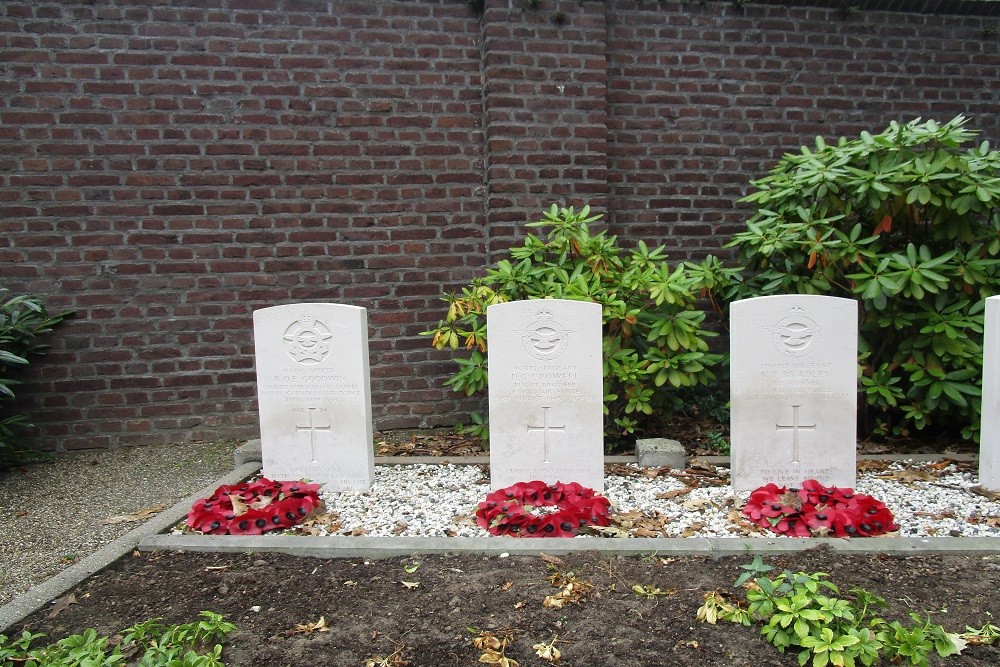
column 22, row 321
column 907, row 223
column 804, row 612
column 654, row 343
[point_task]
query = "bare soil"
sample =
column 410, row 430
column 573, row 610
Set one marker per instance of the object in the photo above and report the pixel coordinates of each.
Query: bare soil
column 372, row 614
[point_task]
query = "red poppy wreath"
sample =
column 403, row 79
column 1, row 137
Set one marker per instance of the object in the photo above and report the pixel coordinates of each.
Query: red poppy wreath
column 537, row 509
column 252, row 508
column 814, row 510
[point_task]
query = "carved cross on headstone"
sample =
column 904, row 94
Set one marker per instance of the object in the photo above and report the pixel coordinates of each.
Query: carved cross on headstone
column 545, row 428
column 312, row 428
column 794, row 427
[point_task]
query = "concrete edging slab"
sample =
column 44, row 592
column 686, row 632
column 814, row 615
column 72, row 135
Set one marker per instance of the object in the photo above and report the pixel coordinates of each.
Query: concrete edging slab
column 390, row 547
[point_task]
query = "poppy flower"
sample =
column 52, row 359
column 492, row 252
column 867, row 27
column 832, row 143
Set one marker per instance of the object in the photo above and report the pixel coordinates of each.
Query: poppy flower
column 207, row 521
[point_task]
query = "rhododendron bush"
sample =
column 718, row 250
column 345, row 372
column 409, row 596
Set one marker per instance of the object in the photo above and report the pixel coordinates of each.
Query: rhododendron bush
column 252, row 508
column 537, row 509
column 814, row 510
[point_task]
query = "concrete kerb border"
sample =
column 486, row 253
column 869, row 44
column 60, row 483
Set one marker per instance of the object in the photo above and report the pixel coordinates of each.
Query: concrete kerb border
column 151, row 536
column 715, row 547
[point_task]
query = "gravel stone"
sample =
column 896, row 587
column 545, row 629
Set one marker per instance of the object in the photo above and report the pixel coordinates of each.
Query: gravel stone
column 53, row 512
column 441, row 500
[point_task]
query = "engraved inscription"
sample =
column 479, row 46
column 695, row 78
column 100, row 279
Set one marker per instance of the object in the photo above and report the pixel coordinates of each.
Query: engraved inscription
column 316, row 385
column 311, row 427
column 544, row 338
column 794, row 427
column 531, row 383
column 307, row 340
column 795, row 335
column 544, row 429
column 795, row 476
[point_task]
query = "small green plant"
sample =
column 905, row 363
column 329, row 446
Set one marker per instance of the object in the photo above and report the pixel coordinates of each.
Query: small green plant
column 906, row 222
column 804, row 612
column 22, row 321
column 147, row 644
column 479, row 428
column 654, row 345
column 717, row 442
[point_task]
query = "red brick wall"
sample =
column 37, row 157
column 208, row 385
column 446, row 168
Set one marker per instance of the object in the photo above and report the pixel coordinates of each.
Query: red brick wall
column 545, row 111
column 168, row 167
column 703, row 98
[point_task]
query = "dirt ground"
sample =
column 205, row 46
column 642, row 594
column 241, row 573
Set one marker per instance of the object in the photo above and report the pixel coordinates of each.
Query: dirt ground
column 372, row 614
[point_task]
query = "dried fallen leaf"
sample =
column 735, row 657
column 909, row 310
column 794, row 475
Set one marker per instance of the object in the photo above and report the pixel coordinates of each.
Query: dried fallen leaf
column 606, row 531
column 986, row 493
column 670, row 495
column 698, row 504
column 61, row 605
column 494, row 647
column 394, row 659
column 548, row 652
column 692, row 529
column 573, row 591
column 553, row 602
column 319, row 523
column 411, row 584
column 552, row 560
column 239, row 507
column 642, row 531
column 309, row 628
column 871, row 465
column 141, row 515
column 909, row 476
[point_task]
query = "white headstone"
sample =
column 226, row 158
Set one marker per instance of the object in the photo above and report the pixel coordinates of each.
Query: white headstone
column 793, row 391
column 989, row 436
column 314, row 394
column 546, row 393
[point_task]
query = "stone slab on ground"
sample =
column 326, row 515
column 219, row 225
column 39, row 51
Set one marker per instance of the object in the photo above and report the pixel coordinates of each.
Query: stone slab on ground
column 660, row 452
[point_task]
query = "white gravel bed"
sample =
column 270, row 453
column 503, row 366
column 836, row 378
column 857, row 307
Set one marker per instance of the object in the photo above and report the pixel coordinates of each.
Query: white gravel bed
column 441, row 500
